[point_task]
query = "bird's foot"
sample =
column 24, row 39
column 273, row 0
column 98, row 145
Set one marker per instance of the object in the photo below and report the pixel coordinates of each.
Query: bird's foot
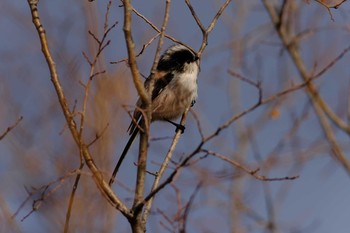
column 179, row 127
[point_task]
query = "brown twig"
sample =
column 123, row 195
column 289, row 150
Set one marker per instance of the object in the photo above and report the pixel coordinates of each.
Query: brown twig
column 51, row 187
column 101, row 46
column 141, row 51
column 328, row 8
column 335, row 6
column 162, row 169
column 159, row 186
column 247, row 170
column 105, row 27
column 156, row 187
column 189, row 206
column 321, row 108
column 161, row 38
column 169, row 221
column 240, row 77
column 11, row 127
column 98, row 135
column 199, row 127
column 136, row 222
column 110, row 196
column 131, row 55
column 206, row 31
column 72, row 195
column 154, row 26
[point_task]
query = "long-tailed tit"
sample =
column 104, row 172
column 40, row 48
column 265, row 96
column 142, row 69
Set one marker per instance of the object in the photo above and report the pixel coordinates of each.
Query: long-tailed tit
column 174, row 88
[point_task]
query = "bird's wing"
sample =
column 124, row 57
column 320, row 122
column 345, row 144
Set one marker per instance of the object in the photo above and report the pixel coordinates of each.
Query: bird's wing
column 161, row 80
column 160, row 83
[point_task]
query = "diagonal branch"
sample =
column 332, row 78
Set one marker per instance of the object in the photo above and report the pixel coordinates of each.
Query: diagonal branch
column 10, row 128
column 321, row 108
column 146, row 100
column 164, row 166
column 97, row 175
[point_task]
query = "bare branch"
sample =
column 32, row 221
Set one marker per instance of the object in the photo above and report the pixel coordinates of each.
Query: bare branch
column 154, row 26
column 162, row 169
column 71, row 198
column 328, row 8
column 335, row 6
column 199, row 127
column 131, row 54
column 11, row 127
column 321, row 108
column 141, row 51
column 188, row 207
column 98, row 135
column 161, row 38
column 206, row 32
column 51, row 187
column 98, row 178
column 240, row 77
column 247, row 170
column 196, row 18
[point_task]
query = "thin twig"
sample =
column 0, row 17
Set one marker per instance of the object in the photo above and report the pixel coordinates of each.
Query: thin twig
column 52, row 186
column 72, row 195
column 206, row 32
column 141, row 51
column 98, row 135
column 11, row 127
column 199, row 127
column 110, row 196
column 240, row 77
column 159, row 186
column 188, row 207
column 247, row 170
column 161, row 38
column 105, row 27
column 101, row 46
column 154, row 26
column 141, row 171
column 328, row 8
column 322, row 110
column 163, row 167
column 335, row 6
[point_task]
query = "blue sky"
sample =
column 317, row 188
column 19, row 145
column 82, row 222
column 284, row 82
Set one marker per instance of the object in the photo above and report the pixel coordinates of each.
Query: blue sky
column 243, row 41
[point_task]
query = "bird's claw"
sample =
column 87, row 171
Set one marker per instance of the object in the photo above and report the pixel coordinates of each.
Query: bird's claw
column 180, row 128
column 192, row 103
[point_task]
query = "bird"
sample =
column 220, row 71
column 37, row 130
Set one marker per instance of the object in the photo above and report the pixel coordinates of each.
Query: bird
column 174, row 89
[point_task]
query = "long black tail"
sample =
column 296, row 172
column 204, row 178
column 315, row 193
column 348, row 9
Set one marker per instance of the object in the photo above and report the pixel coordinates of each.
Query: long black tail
column 125, row 151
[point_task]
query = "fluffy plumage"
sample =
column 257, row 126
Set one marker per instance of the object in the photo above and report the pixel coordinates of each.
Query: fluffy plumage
column 174, row 86
column 174, row 89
